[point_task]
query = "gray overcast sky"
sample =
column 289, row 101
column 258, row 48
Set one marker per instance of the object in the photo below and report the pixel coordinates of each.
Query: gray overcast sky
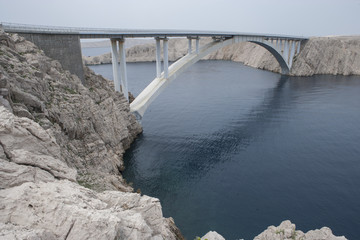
column 293, row 17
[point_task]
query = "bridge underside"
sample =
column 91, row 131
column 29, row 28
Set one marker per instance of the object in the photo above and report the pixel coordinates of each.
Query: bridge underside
column 282, row 49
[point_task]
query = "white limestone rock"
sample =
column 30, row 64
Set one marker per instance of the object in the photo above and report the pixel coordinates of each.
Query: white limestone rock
column 29, row 153
column 328, row 55
column 212, row 235
column 287, row 231
column 65, row 210
column 12, row 232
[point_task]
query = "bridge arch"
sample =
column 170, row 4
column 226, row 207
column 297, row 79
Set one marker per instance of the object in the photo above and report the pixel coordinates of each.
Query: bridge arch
column 283, row 65
column 279, row 48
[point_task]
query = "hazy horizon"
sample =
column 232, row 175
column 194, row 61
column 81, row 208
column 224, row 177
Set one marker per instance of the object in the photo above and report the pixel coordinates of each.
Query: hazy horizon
column 302, row 18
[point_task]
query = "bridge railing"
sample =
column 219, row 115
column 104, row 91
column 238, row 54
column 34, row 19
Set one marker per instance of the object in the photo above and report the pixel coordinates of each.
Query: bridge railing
column 85, row 32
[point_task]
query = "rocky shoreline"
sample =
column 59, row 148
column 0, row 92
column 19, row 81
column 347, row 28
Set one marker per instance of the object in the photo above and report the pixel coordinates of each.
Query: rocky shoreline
column 320, row 55
column 61, row 148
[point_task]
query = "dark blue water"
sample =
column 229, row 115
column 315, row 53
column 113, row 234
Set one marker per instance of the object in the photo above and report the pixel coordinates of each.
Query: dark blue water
column 235, row 149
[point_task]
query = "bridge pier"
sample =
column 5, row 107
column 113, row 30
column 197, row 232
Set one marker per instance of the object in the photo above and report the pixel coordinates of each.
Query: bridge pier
column 190, row 46
column 123, row 68
column 165, row 57
column 120, row 86
column 115, row 65
column 158, row 57
column 197, row 45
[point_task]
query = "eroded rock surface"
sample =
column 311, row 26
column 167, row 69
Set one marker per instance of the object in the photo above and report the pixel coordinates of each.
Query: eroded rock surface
column 28, row 153
column 328, row 55
column 65, row 210
column 91, row 124
column 287, row 231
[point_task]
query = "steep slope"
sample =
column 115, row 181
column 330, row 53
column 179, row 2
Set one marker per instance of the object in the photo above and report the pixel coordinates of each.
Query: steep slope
column 56, row 133
column 91, row 123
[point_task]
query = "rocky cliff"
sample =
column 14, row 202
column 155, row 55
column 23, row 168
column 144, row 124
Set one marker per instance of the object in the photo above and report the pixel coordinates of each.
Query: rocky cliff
column 321, row 55
column 57, row 134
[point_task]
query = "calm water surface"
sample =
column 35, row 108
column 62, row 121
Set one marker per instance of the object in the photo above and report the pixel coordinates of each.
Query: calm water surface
column 234, row 149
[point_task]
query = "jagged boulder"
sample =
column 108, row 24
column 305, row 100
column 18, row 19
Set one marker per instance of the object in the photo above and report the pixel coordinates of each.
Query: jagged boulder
column 287, row 231
column 65, row 210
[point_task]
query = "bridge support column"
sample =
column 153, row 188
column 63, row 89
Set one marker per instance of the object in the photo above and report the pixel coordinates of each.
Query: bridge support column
column 197, row 45
column 286, row 51
column 292, row 53
column 120, row 83
column 158, row 58
column 190, row 46
column 298, row 47
column 123, row 68
column 115, row 65
column 166, row 58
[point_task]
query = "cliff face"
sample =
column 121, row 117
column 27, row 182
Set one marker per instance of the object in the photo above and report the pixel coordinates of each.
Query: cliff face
column 328, row 55
column 322, row 55
column 56, row 132
column 91, row 123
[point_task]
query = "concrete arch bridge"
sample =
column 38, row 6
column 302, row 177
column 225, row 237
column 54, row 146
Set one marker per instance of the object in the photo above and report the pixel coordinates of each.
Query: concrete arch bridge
column 282, row 47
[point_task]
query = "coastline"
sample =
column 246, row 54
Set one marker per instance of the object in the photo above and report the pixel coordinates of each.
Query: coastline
column 58, row 134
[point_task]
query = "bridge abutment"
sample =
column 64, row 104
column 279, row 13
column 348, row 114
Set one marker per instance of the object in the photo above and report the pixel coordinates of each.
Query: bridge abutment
column 63, row 47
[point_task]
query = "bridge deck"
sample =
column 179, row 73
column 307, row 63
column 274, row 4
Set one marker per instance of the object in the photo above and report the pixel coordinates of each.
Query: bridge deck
column 131, row 33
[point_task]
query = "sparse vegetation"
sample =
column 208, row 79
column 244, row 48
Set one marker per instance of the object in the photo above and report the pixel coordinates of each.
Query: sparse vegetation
column 70, row 90
column 85, row 184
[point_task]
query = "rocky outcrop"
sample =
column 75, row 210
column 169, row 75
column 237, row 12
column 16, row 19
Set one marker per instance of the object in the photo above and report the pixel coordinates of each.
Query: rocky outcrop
column 287, row 231
column 321, row 55
column 65, row 210
column 212, row 235
column 28, row 153
column 55, row 133
column 40, row 199
column 92, row 124
column 328, row 55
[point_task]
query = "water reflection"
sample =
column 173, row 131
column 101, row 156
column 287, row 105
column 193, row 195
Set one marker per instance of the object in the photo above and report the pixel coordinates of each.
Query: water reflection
column 283, row 151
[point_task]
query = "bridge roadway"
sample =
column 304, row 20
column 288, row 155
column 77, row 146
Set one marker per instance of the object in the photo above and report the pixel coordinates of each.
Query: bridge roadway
column 131, row 33
column 283, row 47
